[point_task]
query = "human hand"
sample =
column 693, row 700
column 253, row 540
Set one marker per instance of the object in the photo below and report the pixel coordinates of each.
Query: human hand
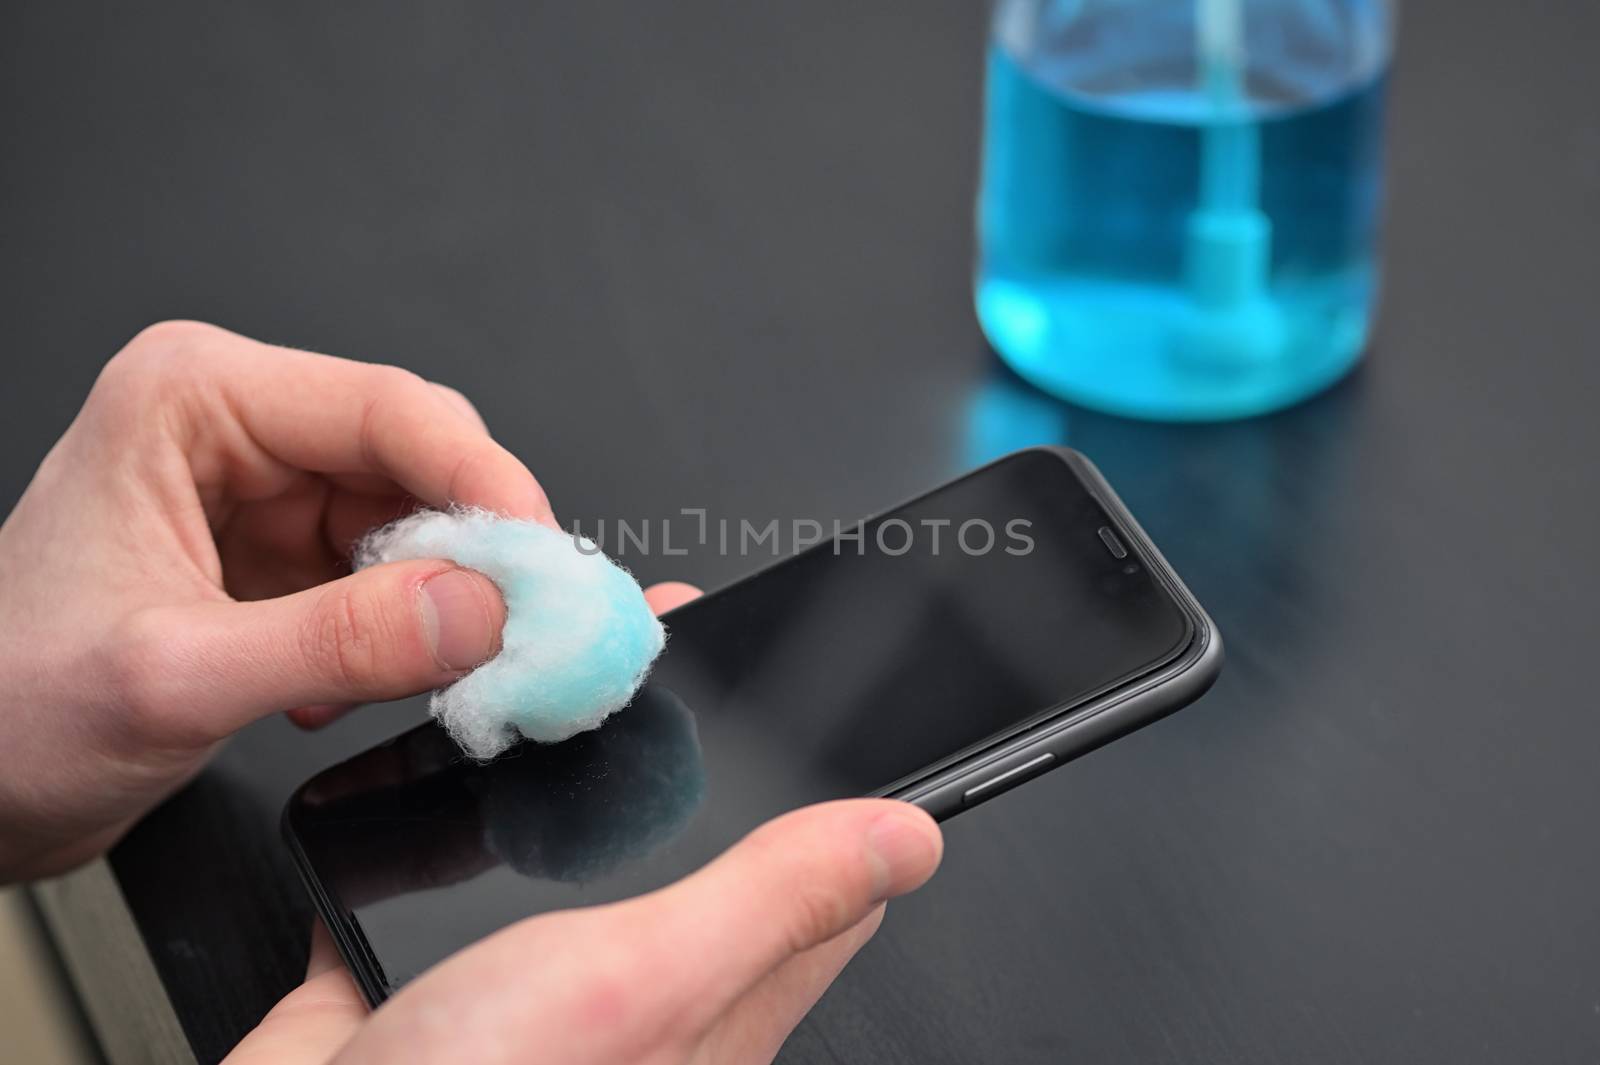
column 173, row 572
column 716, row 969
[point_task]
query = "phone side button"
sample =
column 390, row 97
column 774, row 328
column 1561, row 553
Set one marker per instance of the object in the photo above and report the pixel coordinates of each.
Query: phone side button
column 1007, row 780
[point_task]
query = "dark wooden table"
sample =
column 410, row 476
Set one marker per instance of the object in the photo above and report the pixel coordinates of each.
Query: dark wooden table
column 715, row 254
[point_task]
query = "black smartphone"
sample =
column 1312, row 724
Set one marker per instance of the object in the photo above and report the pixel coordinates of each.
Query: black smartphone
column 940, row 653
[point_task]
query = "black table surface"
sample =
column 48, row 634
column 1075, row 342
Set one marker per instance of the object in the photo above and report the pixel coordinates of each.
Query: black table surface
column 716, row 254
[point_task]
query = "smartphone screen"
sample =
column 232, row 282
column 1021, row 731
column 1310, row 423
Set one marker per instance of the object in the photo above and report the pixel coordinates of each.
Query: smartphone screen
column 856, row 665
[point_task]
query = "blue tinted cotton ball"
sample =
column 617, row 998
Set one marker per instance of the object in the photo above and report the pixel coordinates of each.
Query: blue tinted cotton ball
column 578, row 640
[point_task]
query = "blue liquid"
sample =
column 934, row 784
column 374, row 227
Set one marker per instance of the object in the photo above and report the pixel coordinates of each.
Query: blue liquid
column 1155, row 253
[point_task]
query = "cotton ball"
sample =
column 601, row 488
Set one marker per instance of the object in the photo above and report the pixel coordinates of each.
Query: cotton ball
column 578, row 639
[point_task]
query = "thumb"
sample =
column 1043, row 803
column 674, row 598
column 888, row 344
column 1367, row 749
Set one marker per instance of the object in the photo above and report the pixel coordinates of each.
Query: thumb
column 312, row 1022
column 634, row 980
column 383, row 633
column 790, row 886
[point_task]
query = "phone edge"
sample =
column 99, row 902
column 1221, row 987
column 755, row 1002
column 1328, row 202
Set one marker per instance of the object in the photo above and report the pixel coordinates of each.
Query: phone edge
column 1081, row 728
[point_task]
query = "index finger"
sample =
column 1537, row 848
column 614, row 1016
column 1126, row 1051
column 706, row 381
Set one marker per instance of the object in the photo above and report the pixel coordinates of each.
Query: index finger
column 336, row 416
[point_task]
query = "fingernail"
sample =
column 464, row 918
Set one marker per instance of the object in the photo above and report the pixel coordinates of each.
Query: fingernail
column 904, row 851
column 318, row 715
column 456, row 620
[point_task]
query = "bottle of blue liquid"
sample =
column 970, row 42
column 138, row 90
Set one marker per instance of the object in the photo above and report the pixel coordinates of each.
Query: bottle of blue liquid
column 1181, row 198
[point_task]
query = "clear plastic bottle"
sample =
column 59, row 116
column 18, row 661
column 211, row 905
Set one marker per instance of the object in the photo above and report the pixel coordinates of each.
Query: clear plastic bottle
column 1181, row 198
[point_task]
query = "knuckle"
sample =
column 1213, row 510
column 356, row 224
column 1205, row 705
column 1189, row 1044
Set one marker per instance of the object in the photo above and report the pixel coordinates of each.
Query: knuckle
column 611, row 985
column 606, row 990
column 822, row 894
column 815, row 914
column 176, row 333
column 463, row 475
column 637, row 1017
column 154, row 356
column 631, row 1019
column 345, row 637
column 388, row 393
column 456, row 396
column 604, row 1002
column 164, row 343
column 395, row 380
